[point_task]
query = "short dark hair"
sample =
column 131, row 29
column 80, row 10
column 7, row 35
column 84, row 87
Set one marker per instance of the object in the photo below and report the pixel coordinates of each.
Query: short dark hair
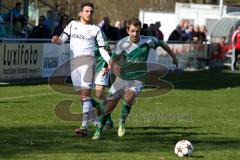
column 133, row 21
column 89, row 4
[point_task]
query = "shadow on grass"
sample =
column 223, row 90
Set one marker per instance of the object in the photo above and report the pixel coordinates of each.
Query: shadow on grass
column 24, row 82
column 204, row 80
column 56, row 139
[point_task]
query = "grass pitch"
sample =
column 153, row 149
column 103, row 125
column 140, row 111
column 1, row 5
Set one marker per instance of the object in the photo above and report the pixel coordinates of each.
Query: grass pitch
column 203, row 108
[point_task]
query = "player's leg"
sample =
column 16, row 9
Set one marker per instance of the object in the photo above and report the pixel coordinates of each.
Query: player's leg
column 110, row 105
column 134, row 88
column 76, row 80
column 101, row 81
column 86, row 76
column 100, row 94
column 100, row 91
column 115, row 94
column 129, row 98
column 85, row 95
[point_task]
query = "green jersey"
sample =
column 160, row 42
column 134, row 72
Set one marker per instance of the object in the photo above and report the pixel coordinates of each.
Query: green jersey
column 132, row 57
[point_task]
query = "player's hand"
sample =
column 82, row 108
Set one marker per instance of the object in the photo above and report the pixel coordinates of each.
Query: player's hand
column 104, row 71
column 175, row 61
column 56, row 39
column 110, row 65
column 116, row 69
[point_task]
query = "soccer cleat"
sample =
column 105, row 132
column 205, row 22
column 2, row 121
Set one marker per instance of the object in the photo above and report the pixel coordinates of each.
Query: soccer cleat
column 97, row 134
column 81, row 131
column 109, row 125
column 121, row 129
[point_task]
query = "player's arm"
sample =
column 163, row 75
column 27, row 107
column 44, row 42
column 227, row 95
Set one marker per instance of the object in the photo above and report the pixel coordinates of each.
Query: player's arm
column 64, row 36
column 154, row 43
column 107, row 48
column 101, row 46
column 116, row 55
column 170, row 52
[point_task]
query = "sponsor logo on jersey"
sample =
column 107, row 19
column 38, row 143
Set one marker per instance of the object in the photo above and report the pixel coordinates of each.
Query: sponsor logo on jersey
column 78, row 36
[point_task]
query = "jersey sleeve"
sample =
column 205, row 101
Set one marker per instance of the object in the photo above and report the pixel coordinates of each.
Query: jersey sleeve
column 154, row 42
column 101, row 43
column 66, row 32
column 100, row 38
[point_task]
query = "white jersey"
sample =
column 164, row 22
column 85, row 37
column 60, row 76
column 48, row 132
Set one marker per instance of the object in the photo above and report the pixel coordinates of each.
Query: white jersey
column 83, row 38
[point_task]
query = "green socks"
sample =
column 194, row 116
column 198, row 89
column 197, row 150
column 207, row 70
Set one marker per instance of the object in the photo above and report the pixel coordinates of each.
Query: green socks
column 124, row 113
column 96, row 103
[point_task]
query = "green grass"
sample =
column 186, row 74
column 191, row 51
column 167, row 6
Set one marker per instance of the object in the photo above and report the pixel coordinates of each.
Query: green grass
column 203, row 108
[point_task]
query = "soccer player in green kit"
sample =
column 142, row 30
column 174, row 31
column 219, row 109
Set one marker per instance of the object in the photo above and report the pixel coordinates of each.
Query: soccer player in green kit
column 133, row 49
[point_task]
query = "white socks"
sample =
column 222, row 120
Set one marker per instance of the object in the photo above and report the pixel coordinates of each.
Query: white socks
column 88, row 113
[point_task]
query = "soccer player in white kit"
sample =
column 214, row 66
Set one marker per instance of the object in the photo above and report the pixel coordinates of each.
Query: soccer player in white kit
column 83, row 36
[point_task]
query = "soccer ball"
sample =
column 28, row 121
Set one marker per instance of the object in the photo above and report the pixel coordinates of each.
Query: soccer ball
column 183, row 148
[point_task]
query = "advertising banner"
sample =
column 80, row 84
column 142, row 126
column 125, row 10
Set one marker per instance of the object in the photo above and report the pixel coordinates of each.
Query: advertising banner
column 53, row 57
column 20, row 60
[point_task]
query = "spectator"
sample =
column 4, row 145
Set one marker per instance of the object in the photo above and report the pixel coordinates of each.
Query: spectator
column 185, row 24
column 196, row 33
column 14, row 15
column 152, row 29
column 51, row 20
column 158, row 32
column 220, row 50
column 181, row 23
column 123, row 30
column 176, row 34
column 145, row 30
column 183, row 32
column 236, row 45
column 62, row 24
column 203, row 33
column 189, row 32
column 110, row 31
column 41, row 31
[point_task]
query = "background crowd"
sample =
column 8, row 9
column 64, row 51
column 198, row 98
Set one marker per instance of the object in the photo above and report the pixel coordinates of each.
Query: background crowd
column 53, row 24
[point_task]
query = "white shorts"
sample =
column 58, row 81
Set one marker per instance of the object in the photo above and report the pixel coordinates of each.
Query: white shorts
column 120, row 86
column 82, row 72
column 100, row 79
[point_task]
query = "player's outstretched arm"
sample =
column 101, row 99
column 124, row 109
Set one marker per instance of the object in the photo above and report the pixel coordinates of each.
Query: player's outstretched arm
column 56, row 39
column 154, row 43
column 170, row 52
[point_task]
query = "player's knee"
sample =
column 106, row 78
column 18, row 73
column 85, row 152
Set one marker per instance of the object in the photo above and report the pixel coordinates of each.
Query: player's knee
column 129, row 98
column 85, row 93
column 129, row 102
